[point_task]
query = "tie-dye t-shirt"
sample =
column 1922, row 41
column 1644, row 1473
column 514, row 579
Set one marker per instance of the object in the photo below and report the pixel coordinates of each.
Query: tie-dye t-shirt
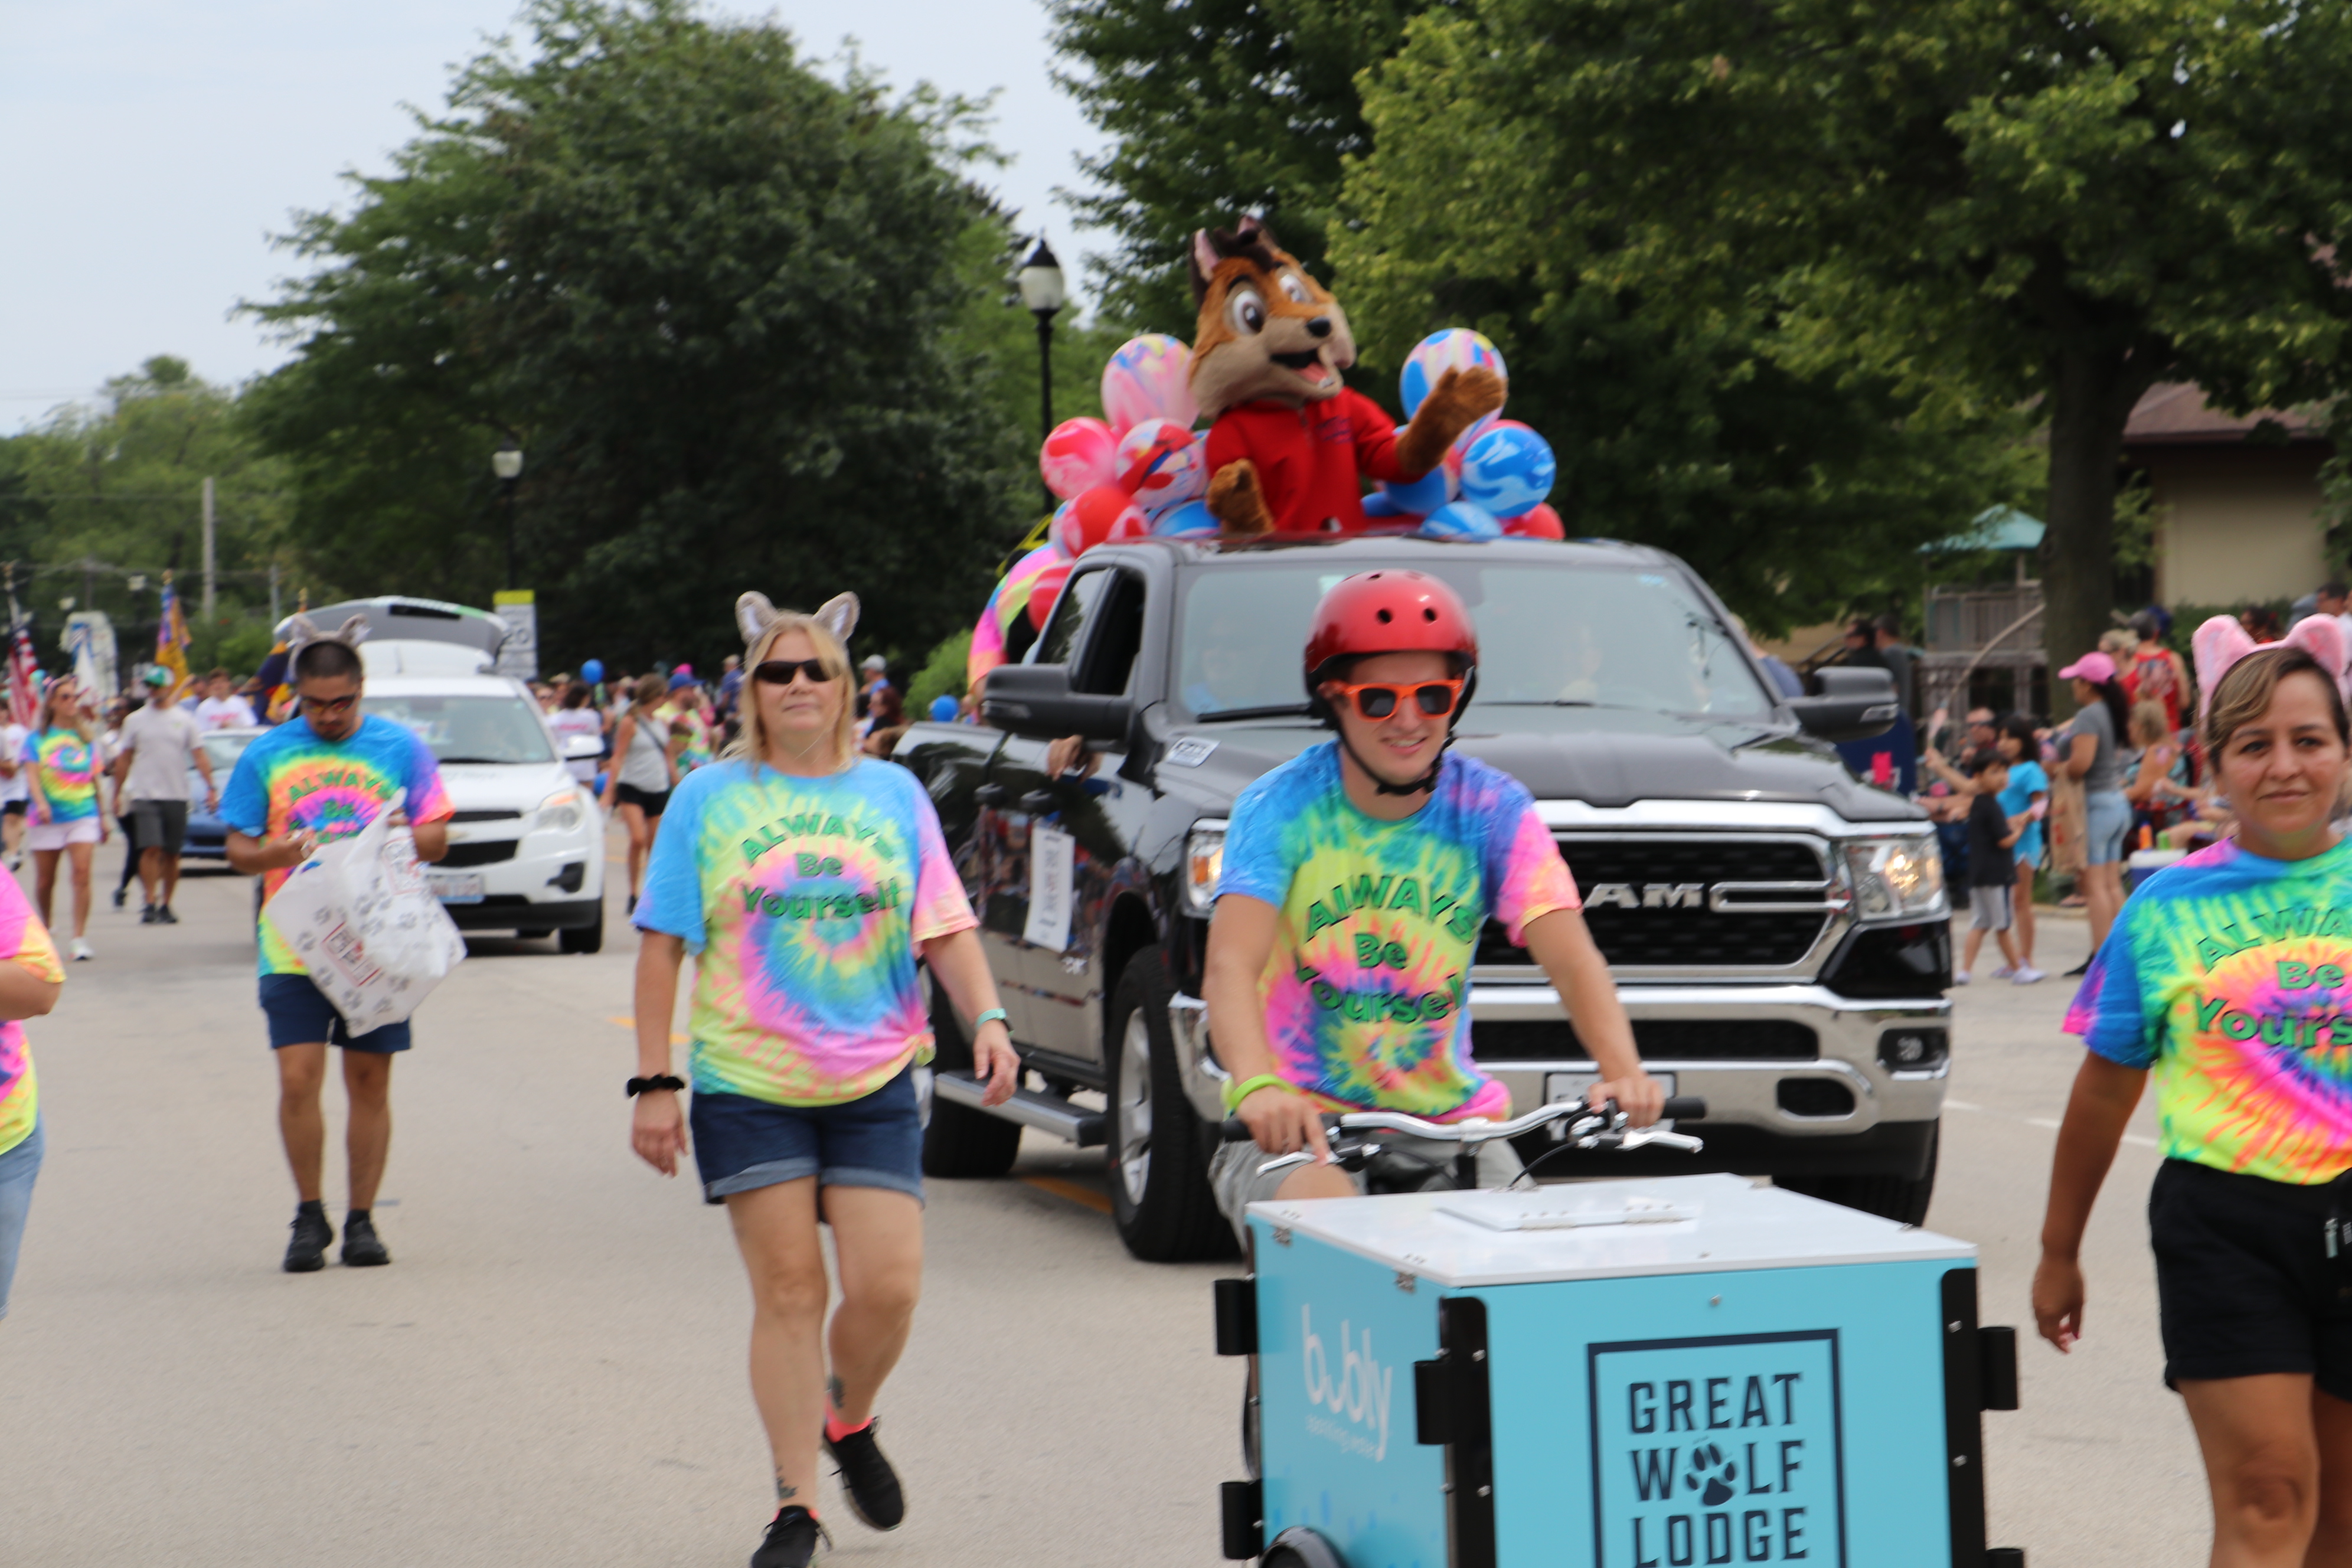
column 290, row 778
column 24, row 941
column 696, row 753
column 1364, row 989
column 804, row 901
column 2231, row 977
column 66, row 768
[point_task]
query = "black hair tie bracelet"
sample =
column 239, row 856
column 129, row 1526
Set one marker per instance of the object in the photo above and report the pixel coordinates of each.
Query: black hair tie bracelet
column 638, row 1085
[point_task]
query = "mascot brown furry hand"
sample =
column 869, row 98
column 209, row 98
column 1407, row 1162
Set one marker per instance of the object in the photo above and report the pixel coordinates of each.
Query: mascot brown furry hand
column 1289, row 446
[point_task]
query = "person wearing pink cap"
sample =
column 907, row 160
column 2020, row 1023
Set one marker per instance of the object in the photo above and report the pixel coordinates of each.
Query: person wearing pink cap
column 2091, row 752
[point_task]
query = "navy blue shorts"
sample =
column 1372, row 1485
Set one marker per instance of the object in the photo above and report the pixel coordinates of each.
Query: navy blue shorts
column 301, row 1014
column 740, row 1143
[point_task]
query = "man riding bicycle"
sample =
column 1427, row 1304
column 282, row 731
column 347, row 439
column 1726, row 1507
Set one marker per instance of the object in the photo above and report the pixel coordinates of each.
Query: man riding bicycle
column 1355, row 881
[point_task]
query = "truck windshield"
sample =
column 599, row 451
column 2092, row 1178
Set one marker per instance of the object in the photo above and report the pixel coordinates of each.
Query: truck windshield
column 1580, row 635
column 470, row 729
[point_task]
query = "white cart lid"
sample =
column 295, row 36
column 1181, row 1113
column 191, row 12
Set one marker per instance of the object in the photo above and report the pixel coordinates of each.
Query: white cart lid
column 1581, row 1230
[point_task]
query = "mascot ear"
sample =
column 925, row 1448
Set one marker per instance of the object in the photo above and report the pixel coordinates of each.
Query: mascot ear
column 1200, row 263
column 353, row 631
column 2322, row 637
column 838, row 615
column 754, row 616
column 298, row 630
column 2219, row 643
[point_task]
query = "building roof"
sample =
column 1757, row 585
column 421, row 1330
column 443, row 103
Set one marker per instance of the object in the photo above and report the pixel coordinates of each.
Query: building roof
column 2176, row 414
column 1995, row 528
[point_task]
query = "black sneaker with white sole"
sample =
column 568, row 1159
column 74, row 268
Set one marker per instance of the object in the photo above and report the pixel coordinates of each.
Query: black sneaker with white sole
column 306, row 1253
column 791, row 1541
column 867, row 1477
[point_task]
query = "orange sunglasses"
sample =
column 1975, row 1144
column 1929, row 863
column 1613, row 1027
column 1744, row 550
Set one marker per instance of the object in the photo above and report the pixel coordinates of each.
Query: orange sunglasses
column 1376, row 700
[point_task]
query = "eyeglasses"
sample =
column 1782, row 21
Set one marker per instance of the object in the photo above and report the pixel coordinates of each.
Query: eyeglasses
column 328, row 706
column 780, row 671
column 1374, row 699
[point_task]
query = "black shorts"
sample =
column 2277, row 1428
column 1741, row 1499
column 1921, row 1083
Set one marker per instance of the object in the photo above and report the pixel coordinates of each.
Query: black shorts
column 19, row 808
column 2243, row 1282
column 159, row 825
column 650, row 801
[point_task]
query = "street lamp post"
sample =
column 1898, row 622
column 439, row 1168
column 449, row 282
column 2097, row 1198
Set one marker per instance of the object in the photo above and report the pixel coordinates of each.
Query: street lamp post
column 507, row 464
column 1042, row 294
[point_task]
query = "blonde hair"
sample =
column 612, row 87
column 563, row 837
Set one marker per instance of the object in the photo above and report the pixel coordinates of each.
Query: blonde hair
column 751, row 745
column 2148, row 725
column 64, row 687
column 648, row 692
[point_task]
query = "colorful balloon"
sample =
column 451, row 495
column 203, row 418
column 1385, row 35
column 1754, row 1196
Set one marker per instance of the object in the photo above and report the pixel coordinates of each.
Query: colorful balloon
column 1538, row 522
column 1011, row 599
column 1102, row 514
column 1044, row 589
column 1423, row 496
column 1455, row 348
column 1161, row 462
column 1185, row 520
column 1079, row 455
column 592, row 671
column 1461, row 520
column 1509, row 470
column 945, row 710
column 1150, row 377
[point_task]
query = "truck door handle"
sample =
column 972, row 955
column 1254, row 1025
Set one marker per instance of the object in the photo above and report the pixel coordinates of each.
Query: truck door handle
column 1038, row 802
column 989, row 795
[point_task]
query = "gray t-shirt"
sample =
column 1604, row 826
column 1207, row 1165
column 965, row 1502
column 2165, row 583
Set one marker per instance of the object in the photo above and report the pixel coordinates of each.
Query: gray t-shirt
column 163, row 743
column 2099, row 724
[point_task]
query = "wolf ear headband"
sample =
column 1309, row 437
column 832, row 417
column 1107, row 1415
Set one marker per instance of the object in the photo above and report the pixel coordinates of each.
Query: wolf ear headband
column 756, row 618
column 2222, row 642
column 299, row 631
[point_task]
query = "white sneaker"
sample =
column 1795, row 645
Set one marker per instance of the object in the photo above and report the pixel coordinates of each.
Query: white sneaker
column 2004, row 973
column 1959, row 977
column 2027, row 977
column 81, row 952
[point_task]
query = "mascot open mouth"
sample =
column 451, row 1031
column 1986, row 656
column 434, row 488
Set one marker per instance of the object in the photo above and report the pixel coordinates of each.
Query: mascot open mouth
column 1305, row 360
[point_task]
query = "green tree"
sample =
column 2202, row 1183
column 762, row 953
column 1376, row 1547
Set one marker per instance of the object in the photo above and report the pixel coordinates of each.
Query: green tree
column 714, row 295
column 1963, row 201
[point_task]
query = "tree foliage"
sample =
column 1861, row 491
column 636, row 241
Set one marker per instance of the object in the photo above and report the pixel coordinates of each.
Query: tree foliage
column 1962, row 202
column 725, row 305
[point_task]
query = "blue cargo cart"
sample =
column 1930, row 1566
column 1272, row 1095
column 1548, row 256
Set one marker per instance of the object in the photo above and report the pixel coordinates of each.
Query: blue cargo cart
column 1642, row 1373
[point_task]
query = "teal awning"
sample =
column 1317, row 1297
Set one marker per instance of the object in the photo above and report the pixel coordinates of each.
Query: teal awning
column 1995, row 528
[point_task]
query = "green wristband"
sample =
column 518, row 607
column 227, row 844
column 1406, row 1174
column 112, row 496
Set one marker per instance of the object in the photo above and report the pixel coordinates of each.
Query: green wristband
column 1237, row 1092
column 993, row 1015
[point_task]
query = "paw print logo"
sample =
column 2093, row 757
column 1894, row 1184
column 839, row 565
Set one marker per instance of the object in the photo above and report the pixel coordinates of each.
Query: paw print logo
column 1711, row 1475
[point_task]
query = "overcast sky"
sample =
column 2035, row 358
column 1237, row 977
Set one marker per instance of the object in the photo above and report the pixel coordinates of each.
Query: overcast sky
column 153, row 148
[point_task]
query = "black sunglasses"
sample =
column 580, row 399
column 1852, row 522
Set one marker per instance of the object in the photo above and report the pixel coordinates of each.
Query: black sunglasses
column 779, row 671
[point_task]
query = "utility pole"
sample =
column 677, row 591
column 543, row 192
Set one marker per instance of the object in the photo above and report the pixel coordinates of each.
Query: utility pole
column 273, row 595
column 208, row 550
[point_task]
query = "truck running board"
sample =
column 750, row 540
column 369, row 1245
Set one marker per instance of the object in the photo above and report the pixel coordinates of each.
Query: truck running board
column 1029, row 1107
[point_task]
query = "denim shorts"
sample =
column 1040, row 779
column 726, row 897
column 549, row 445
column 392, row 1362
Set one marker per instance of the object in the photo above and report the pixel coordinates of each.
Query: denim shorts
column 301, row 1014
column 18, row 1166
column 2106, row 817
column 740, row 1143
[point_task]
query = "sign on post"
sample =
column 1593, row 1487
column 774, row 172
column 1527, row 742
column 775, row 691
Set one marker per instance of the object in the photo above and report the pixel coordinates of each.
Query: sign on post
column 519, row 655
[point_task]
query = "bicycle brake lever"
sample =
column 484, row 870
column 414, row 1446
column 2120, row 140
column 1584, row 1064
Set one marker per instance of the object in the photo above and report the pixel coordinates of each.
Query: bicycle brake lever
column 1640, row 1137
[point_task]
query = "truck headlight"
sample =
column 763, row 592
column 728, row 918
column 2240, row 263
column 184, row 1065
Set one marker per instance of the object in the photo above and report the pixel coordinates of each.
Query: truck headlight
column 1205, row 862
column 1895, row 877
column 560, row 813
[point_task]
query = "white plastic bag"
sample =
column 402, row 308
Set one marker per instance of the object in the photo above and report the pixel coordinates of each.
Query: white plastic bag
column 361, row 917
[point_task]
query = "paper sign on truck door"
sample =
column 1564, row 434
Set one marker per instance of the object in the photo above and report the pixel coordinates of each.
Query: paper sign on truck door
column 1052, row 856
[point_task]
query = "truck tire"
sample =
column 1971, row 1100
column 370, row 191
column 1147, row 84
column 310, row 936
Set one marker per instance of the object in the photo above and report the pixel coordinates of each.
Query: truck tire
column 1899, row 1198
column 582, row 939
column 1160, row 1196
column 960, row 1141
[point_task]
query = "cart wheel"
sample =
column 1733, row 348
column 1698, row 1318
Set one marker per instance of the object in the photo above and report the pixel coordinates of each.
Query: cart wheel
column 1299, row 1547
column 1250, row 1453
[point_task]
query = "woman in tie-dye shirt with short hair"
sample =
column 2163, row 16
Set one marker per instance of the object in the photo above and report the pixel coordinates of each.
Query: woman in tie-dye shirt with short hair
column 808, row 881
column 2228, row 977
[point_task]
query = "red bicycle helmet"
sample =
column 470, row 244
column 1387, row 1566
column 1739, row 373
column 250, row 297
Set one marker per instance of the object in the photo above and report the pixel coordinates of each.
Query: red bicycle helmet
column 1391, row 610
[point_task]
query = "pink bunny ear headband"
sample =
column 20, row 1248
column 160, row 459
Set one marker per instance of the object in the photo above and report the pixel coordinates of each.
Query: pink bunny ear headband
column 2222, row 642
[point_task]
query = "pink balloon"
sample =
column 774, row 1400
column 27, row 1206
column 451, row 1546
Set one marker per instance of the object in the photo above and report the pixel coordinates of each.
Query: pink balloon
column 1079, row 455
column 1044, row 589
column 1538, row 522
column 1102, row 514
column 1150, row 377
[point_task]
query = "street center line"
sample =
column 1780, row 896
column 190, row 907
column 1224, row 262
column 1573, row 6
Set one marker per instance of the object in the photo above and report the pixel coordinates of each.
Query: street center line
column 627, row 1022
column 1086, row 1196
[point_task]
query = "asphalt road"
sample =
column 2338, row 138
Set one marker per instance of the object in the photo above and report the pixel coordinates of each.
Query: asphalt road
column 552, row 1372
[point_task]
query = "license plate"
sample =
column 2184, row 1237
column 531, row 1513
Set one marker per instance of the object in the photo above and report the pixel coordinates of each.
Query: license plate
column 456, row 887
column 1559, row 1086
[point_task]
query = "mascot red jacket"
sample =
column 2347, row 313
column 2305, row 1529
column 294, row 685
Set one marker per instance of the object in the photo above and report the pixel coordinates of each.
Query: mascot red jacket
column 1289, row 447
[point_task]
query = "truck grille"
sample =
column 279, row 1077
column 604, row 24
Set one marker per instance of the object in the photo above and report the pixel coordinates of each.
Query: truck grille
column 481, row 853
column 1659, row 1039
column 1674, row 924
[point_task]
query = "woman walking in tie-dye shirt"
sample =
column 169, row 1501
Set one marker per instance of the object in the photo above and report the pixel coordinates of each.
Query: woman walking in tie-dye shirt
column 29, row 978
column 808, row 880
column 63, row 770
column 2229, row 977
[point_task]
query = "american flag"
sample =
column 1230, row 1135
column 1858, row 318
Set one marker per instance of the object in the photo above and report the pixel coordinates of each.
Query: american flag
column 23, row 670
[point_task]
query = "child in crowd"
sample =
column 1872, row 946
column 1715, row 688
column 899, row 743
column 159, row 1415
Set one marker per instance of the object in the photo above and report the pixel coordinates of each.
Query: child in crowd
column 1991, row 833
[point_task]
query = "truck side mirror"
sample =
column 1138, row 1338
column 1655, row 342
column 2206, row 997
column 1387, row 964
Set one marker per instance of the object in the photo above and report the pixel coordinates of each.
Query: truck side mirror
column 1853, row 704
column 1035, row 701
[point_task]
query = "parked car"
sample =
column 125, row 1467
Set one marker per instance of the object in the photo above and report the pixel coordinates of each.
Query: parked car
column 1778, row 929
column 207, row 834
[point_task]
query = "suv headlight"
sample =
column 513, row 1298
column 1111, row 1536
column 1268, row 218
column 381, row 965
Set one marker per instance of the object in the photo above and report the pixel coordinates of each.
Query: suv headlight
column 560, row 813
column 1895, row 877
column 1205, row 862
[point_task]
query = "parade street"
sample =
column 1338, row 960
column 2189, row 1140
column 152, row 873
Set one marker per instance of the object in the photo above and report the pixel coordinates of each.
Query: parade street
column 552, row 1372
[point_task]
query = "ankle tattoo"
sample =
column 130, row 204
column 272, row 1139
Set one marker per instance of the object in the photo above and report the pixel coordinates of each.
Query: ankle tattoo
column 785, row 1494
column 839, row 1394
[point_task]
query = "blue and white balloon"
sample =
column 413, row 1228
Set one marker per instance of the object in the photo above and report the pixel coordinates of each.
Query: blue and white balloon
column 1185, row 520
column 1422, row 496
column 1508, row 471
column 1461, row 520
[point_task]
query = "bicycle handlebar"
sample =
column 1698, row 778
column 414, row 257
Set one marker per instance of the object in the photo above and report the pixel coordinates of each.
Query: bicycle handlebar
column 1679, row 1107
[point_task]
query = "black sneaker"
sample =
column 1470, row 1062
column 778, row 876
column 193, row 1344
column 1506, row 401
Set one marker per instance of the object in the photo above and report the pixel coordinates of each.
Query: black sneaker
column 120, row 895
column 147, row 915
column 307, row 1252
column 791, row 1541
column 164, row 916
column 2079, row 971
column 363, row 1248
column 867, row 1478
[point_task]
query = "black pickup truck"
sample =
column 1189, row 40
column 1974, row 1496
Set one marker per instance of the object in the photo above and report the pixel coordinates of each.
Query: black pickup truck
column 1778, row 930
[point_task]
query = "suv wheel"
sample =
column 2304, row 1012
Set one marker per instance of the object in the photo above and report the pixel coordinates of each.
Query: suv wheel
column 960, row 1141
column 582, row 939
column 1899, row 1198
column 1159, row 1194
